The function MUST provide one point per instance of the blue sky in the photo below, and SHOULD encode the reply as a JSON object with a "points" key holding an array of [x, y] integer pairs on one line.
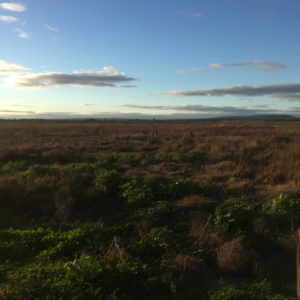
{"points": [[149, 59]]}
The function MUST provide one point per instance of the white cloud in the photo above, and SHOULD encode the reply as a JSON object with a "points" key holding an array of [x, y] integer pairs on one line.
{"points": [[10, 68], [22, 33], [86, 104], [196, 15], [20, 105], [8, 19], [266, 66], [107, 78], [155, 94], [283, 91], [50, 28], [181, 71], [13, 6], [257, 64], [195, 70], [218, 66]]}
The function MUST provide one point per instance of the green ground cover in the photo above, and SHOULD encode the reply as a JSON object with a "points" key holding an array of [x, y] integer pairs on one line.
{"points": [[83, 227]]}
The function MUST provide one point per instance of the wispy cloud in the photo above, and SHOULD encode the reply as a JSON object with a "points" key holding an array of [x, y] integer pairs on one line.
{"points": [[86, 104], [261, 106], [195, 70], [22, 33], [195, 15], [128, 86], [8, 19], [11, 68], [108, 77], [50, 28], [13, 6], [290, 97], [283, 91], [155, 94], [257, 64], [17, 111], [20, 105]]}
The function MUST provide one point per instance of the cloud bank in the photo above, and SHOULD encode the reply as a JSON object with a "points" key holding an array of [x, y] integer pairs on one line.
{"points": [[179, 112], [109, 77], [257, 64], [218, 110], [283, 91], [18, 7]]}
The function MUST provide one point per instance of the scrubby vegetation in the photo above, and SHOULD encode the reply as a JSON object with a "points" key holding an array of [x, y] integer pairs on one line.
{"points": [[105, 210]]}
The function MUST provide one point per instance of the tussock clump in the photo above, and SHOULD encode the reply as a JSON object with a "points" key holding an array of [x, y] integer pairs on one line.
{"points": [[195, 203], [54, 156], [235, 257], [64, 203], [187, 140], [166, 148], [226, 165], [154, 141], [260, 226], [188, 264], [143, 227], [279, 140]]}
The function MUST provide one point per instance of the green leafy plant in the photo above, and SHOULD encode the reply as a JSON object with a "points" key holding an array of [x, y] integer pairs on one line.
{"points": [[283, 211], [108, 180], [142, 191], [13, 166], [236, 213]]}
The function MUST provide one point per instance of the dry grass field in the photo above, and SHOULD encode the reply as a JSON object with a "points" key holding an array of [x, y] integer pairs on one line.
{"points": [[178, 202], [259, 159]]}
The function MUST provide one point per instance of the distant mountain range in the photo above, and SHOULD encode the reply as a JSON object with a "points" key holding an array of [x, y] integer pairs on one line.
{"points": [[148, 118]]}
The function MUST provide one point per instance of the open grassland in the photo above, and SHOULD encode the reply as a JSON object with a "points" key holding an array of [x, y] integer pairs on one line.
{"points": [[149, 210]]}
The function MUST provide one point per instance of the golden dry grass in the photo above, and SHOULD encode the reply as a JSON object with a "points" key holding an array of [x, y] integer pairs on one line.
{"points": [[244, 157]]}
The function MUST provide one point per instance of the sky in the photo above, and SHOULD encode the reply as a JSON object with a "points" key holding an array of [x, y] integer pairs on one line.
{"points": [[163, 59]]}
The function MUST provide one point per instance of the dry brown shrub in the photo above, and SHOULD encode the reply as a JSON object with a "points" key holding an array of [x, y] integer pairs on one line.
{"points": [[235, 257], [143, 227], [225, 165], [188, 264], [54, 156], [187, 140], [279, 140], [114, 252], [236, 187], [288, 242], [166, 148], [195, 203], [260, 226], [199, 222], [64, 204]]}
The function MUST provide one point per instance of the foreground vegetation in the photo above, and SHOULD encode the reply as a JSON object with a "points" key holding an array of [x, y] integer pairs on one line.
{"points": [[110, 211]]}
